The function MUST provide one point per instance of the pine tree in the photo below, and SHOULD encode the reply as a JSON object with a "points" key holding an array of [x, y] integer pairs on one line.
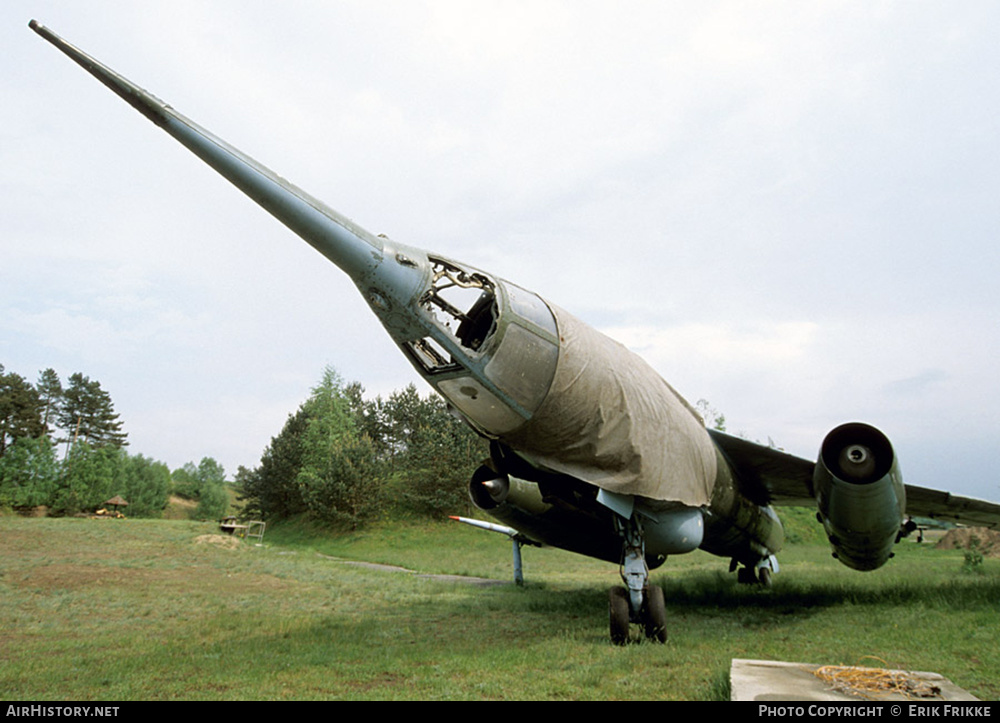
{"points": [[50, 393], [434, 453], [270, 490], [88, 415], [20, 409]]}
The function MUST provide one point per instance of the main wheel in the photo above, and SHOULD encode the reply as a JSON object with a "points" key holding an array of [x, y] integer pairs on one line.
{"points": [[764, 577], [618, 615], [655, 615]]}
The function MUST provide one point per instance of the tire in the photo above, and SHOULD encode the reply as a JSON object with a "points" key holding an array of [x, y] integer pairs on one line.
{"points": [[655, 616], [618, 615], [764, 577]]}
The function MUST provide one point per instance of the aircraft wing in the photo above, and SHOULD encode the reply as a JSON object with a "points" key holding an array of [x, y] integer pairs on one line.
{"points": [[923, 502], [768, 475], [774, 477]]}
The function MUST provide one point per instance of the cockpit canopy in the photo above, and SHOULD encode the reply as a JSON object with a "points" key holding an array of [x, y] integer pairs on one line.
{"points": [[492, 349]]}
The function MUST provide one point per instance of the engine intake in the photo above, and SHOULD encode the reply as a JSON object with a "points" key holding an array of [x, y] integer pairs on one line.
{"points": [[491, 491], [860, 496], [488, 488]]}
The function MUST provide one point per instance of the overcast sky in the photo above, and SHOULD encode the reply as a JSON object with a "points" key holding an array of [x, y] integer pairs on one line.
{"points": [[789, 209]]}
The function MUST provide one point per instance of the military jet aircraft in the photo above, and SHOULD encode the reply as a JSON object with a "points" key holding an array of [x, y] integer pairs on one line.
{"points": [[590, 449]]}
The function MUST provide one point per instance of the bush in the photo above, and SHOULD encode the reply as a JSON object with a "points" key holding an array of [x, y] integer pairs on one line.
{"points": [[974, 558]]}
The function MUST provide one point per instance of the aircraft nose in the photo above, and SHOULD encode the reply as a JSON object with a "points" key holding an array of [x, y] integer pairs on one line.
{"points": [[486, 345]]}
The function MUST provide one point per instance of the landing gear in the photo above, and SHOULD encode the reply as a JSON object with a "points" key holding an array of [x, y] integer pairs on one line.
{"points": [[618, 613], [759, 574], [652, 616], [746, 576], [764, 577], [637, 602], [655, 615]]}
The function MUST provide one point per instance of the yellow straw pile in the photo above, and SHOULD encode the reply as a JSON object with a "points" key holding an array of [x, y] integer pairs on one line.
{"points": [[874, 683]]}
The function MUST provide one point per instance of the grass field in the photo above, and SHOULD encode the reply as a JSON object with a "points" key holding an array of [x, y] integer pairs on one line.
{"points": [[111, 610]]}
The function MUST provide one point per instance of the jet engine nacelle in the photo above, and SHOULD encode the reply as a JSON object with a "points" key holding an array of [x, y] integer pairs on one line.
{"points": [[860, 495], [521, 504], [489, 490]]}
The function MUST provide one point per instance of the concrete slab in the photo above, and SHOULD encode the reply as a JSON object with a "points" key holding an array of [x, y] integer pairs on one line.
{"points": [[768, 680]]}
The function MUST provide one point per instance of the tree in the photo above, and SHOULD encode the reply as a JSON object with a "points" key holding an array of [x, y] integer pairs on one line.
{"points": [[270, 490], [248, 485], [50, 394], [212, 497], [716, 420], [343, 459], [88, 414], [434, 453], [144, 483], [339, 477], [20, 409], [29, 473], [185, 481], [713, 418], [205, 483], [89, 478], [371, 419], [94, 469]]}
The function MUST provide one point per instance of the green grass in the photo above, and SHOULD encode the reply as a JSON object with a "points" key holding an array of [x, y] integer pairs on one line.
{"points": [[136, 609]]}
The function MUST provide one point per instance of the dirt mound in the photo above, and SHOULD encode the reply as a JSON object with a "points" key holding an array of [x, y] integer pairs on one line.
{"points": [[988, 541]]}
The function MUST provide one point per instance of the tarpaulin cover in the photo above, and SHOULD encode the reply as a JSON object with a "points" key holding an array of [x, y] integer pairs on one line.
{"points": [[609, 419]]}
